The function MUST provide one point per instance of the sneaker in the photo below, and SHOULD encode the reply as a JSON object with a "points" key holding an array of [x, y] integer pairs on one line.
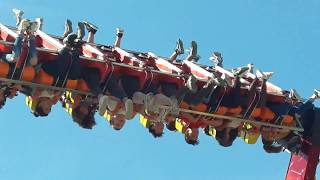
{"points": [[227, 80], [294, 95], [194, 51], [39, 22], [33, 27], [179, 47], [18, 13], [119, 32], [129, 108], [67, 28], [80, 31], [90, 27], [263, 75], [102, 105], [24, 25], [191, 84], [250, 66], [240, 71], [317, 93], [217, 58]]}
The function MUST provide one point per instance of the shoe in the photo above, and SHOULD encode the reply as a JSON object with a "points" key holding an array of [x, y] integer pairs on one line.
{"points": [[179, 47], [67, 28], [24, 25], [129, 108], [80, 31], [294, 95], [191, 84], [90, 27], [194, 51], [119, 32], [33, 27], [103, 105], [263, 75], [250, 66], [217, 58], [240, 71], [18, 13], [317, 93], [227, 80], [39, 22]]}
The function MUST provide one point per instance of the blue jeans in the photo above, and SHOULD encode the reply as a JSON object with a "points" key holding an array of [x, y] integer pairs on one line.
{"points": [[114, 87], [130, 84], [59, 67], [17, 47]]}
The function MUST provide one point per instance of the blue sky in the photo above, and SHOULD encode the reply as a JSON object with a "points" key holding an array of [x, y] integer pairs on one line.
{"points": [[280, 36]]}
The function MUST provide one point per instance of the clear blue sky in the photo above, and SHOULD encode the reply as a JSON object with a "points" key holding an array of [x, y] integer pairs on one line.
{"points": [[280, 36]]}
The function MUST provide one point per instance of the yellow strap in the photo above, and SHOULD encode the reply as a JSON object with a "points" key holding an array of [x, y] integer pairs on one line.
{"points": [[213, 132], [107, 116], [143, 121], [179, 126]]}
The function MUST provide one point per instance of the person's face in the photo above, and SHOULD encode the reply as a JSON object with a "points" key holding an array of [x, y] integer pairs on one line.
{"points": [[84, 110], [170, 119], [158, 128], [216, 122], [118, 121], [268, 134], [192, 134], [46, 105]]}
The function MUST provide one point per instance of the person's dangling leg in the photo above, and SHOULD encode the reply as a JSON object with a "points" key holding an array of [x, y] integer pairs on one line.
{"points": [[201, 94], [130, 84], [18, 13], [193, 54], [92, 29], [119, 35], [177, 51], [33, 58], [67, 28], [17, 46], [114, 87], [80, 30]]}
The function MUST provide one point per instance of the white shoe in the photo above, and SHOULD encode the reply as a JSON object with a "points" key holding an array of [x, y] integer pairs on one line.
{"points": [[34, 26], [294, 95], [227, 80], [102, 105], [24, 25], [191, 84], [317, 93], [18, 13], [39, 22], [263, 75], [250, 66], [119, 32], [129, 108]]}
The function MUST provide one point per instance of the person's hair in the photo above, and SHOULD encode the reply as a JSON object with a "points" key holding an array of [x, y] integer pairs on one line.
{"points": [[171, 126], [206, 130], [111, 123], [191, 141], [3, 102], [6, 93], [87, 121], [153, 132], [226, 143], [38, 111]]}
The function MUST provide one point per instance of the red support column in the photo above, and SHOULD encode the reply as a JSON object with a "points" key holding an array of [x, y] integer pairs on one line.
{"points": [[303, 166]]}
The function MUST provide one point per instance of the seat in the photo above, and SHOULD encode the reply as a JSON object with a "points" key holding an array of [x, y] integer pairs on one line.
{"points": [[4, 69]]}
